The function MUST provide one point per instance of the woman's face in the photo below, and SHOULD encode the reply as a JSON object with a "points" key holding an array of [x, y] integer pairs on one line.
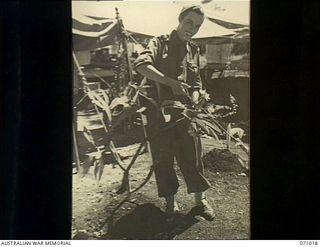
{"points": [[189, 25]]}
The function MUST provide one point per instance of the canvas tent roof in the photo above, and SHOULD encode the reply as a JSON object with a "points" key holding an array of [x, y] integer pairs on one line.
{"points": [[227, 24], [229, 13], [89, 33], [94, 23]]}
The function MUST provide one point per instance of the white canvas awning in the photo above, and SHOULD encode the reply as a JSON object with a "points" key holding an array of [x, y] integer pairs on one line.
{"points": [[147, 18]]}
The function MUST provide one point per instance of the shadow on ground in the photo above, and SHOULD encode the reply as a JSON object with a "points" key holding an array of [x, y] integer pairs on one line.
{"points": [[147, 221]]}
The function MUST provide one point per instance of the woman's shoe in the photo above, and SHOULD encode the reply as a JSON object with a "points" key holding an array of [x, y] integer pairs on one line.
{"points": [[205, 210]]}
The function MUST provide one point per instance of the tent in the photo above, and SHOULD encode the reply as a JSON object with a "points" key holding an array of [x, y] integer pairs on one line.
{"points": [[230, 14], [89, 33], [94, 23], [227, 24]]}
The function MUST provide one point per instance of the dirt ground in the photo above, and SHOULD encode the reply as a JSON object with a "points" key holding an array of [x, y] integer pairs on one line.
{"points": [[144, 218]]}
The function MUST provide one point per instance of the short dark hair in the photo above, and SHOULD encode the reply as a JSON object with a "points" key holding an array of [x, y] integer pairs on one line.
{"points": [[195, 8]]}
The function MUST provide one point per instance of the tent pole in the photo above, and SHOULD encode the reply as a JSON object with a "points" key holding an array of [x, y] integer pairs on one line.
{"points": [[75, 146], [74, 134], [80, 73], [125, 45]]}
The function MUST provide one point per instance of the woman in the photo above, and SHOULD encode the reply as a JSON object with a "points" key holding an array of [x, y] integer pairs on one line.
{"points": [[170, 64]]}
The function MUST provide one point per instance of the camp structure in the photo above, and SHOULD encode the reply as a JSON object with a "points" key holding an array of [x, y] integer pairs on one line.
{"points": [[95, 26], [224, 34]]}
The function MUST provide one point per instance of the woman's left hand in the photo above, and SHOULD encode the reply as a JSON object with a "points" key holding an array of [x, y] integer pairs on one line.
{"points": [[195, 97]]}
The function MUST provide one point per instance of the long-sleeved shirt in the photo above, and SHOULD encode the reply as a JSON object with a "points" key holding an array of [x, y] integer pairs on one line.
{"points": [[174, 58]]}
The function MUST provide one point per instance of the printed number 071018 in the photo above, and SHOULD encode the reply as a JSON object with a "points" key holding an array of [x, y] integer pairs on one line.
{"points": [[304, 242]]}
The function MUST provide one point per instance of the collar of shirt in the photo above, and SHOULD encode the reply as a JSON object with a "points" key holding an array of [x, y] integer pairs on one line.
{"points": [[174, 37]]}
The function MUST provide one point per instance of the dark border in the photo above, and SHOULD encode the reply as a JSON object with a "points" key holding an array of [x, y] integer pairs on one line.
{"points": [[284, 82], [38, 106]]}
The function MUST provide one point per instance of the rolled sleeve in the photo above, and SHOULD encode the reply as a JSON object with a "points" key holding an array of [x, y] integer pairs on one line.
{"points": [[149, 55]]}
